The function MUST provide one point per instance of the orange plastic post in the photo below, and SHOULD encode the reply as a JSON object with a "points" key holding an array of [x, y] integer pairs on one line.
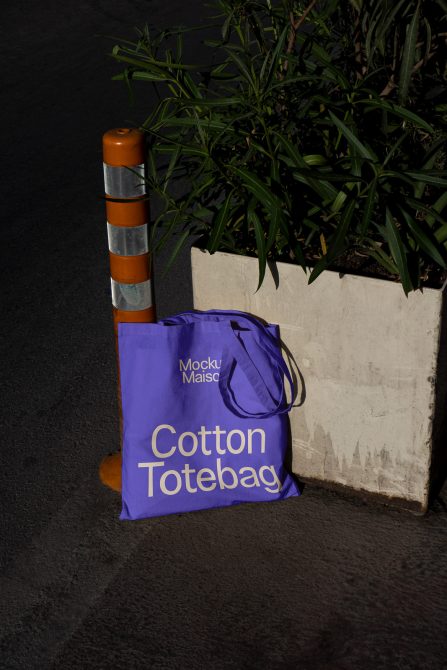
{"points": [[130, 269]]}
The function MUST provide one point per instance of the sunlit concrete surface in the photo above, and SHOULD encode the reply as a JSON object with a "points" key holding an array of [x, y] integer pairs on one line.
{"points": [[369, 369]]}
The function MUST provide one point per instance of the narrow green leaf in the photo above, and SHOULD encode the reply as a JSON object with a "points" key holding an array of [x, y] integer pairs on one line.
{"points": [[352, 140], [220, 224], [175, 252], [242, 67], [275, 214], [398, 252], [418, 205], [428, 39], [275, 57], [383, 259], [339, 201], [330, 73], [217, 102], [220, 73], [168, 224], [253, 219], [386, 19], [339, 242], [161, 68], [274, 170], [320, 186], [190, 122], [314, 159], [258, 30], [171, 167], [323, 57], [439, 205], [257, 187], [150, 76], [399, 111], [275, 219], [441, 234], [435, 151], [193, 150], [427, 177], [408, 57], [325, 175], [425, 240], [161, 112], [394, 174], [395, 147], [318, 269], [151, 166], [369, 51], [189, 83], [175, 66], [299, 255], [227, 27], [368, 209], [202, 214]]}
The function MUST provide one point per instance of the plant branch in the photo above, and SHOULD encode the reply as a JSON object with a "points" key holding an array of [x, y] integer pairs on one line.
{"points": [[390, 86], [294, 27]]}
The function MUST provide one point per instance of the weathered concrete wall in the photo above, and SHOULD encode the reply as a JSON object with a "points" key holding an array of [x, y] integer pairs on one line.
{"points": [[367, 356]]}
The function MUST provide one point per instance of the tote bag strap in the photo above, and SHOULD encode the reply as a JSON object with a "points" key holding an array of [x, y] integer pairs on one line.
{"points": [[236, 354]]}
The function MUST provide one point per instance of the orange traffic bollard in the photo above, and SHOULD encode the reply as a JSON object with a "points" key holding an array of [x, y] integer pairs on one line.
{"points": [[127, 228]]}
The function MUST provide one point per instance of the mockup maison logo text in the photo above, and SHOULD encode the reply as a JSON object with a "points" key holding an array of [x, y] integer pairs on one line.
{"points": [[197, 372]]}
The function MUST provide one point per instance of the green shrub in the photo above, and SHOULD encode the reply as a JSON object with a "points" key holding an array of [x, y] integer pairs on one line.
{"points": [[315, 135]]}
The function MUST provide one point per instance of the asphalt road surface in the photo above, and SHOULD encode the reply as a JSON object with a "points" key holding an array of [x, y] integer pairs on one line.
{"points": [[318, 582]]}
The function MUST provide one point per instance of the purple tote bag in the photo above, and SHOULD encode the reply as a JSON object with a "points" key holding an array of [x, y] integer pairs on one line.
{"points": [[204, 414]]}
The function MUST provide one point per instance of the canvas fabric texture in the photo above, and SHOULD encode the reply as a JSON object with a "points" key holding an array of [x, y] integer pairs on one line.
{"points": [[204, 414]]}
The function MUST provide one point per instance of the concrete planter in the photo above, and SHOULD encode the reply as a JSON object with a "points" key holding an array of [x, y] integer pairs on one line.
{"points": [[373, 372]]}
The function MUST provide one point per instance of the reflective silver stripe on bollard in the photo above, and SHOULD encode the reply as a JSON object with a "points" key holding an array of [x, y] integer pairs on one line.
{"points": [[124, 182], [127, 241], [131, 297]]}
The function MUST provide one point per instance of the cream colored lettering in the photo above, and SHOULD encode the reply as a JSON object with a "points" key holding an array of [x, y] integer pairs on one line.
{"points": [[206, 475], [199, 377], [178, 485], [203, 433], [272, 484], [220, 476], [195, 443], [218, 432], [206, 479], [241, 447], [250, 480], [187, 471], [188, 380], [200, 371], [211, 441], [150, 475], [157, 453], [251, 432]]}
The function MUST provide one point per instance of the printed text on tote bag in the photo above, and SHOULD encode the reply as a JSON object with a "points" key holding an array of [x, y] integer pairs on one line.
{"points": [[212, 442], [196, 372]]}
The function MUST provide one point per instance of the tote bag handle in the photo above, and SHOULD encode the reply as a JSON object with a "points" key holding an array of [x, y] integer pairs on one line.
{"points": [[236, 354]]}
